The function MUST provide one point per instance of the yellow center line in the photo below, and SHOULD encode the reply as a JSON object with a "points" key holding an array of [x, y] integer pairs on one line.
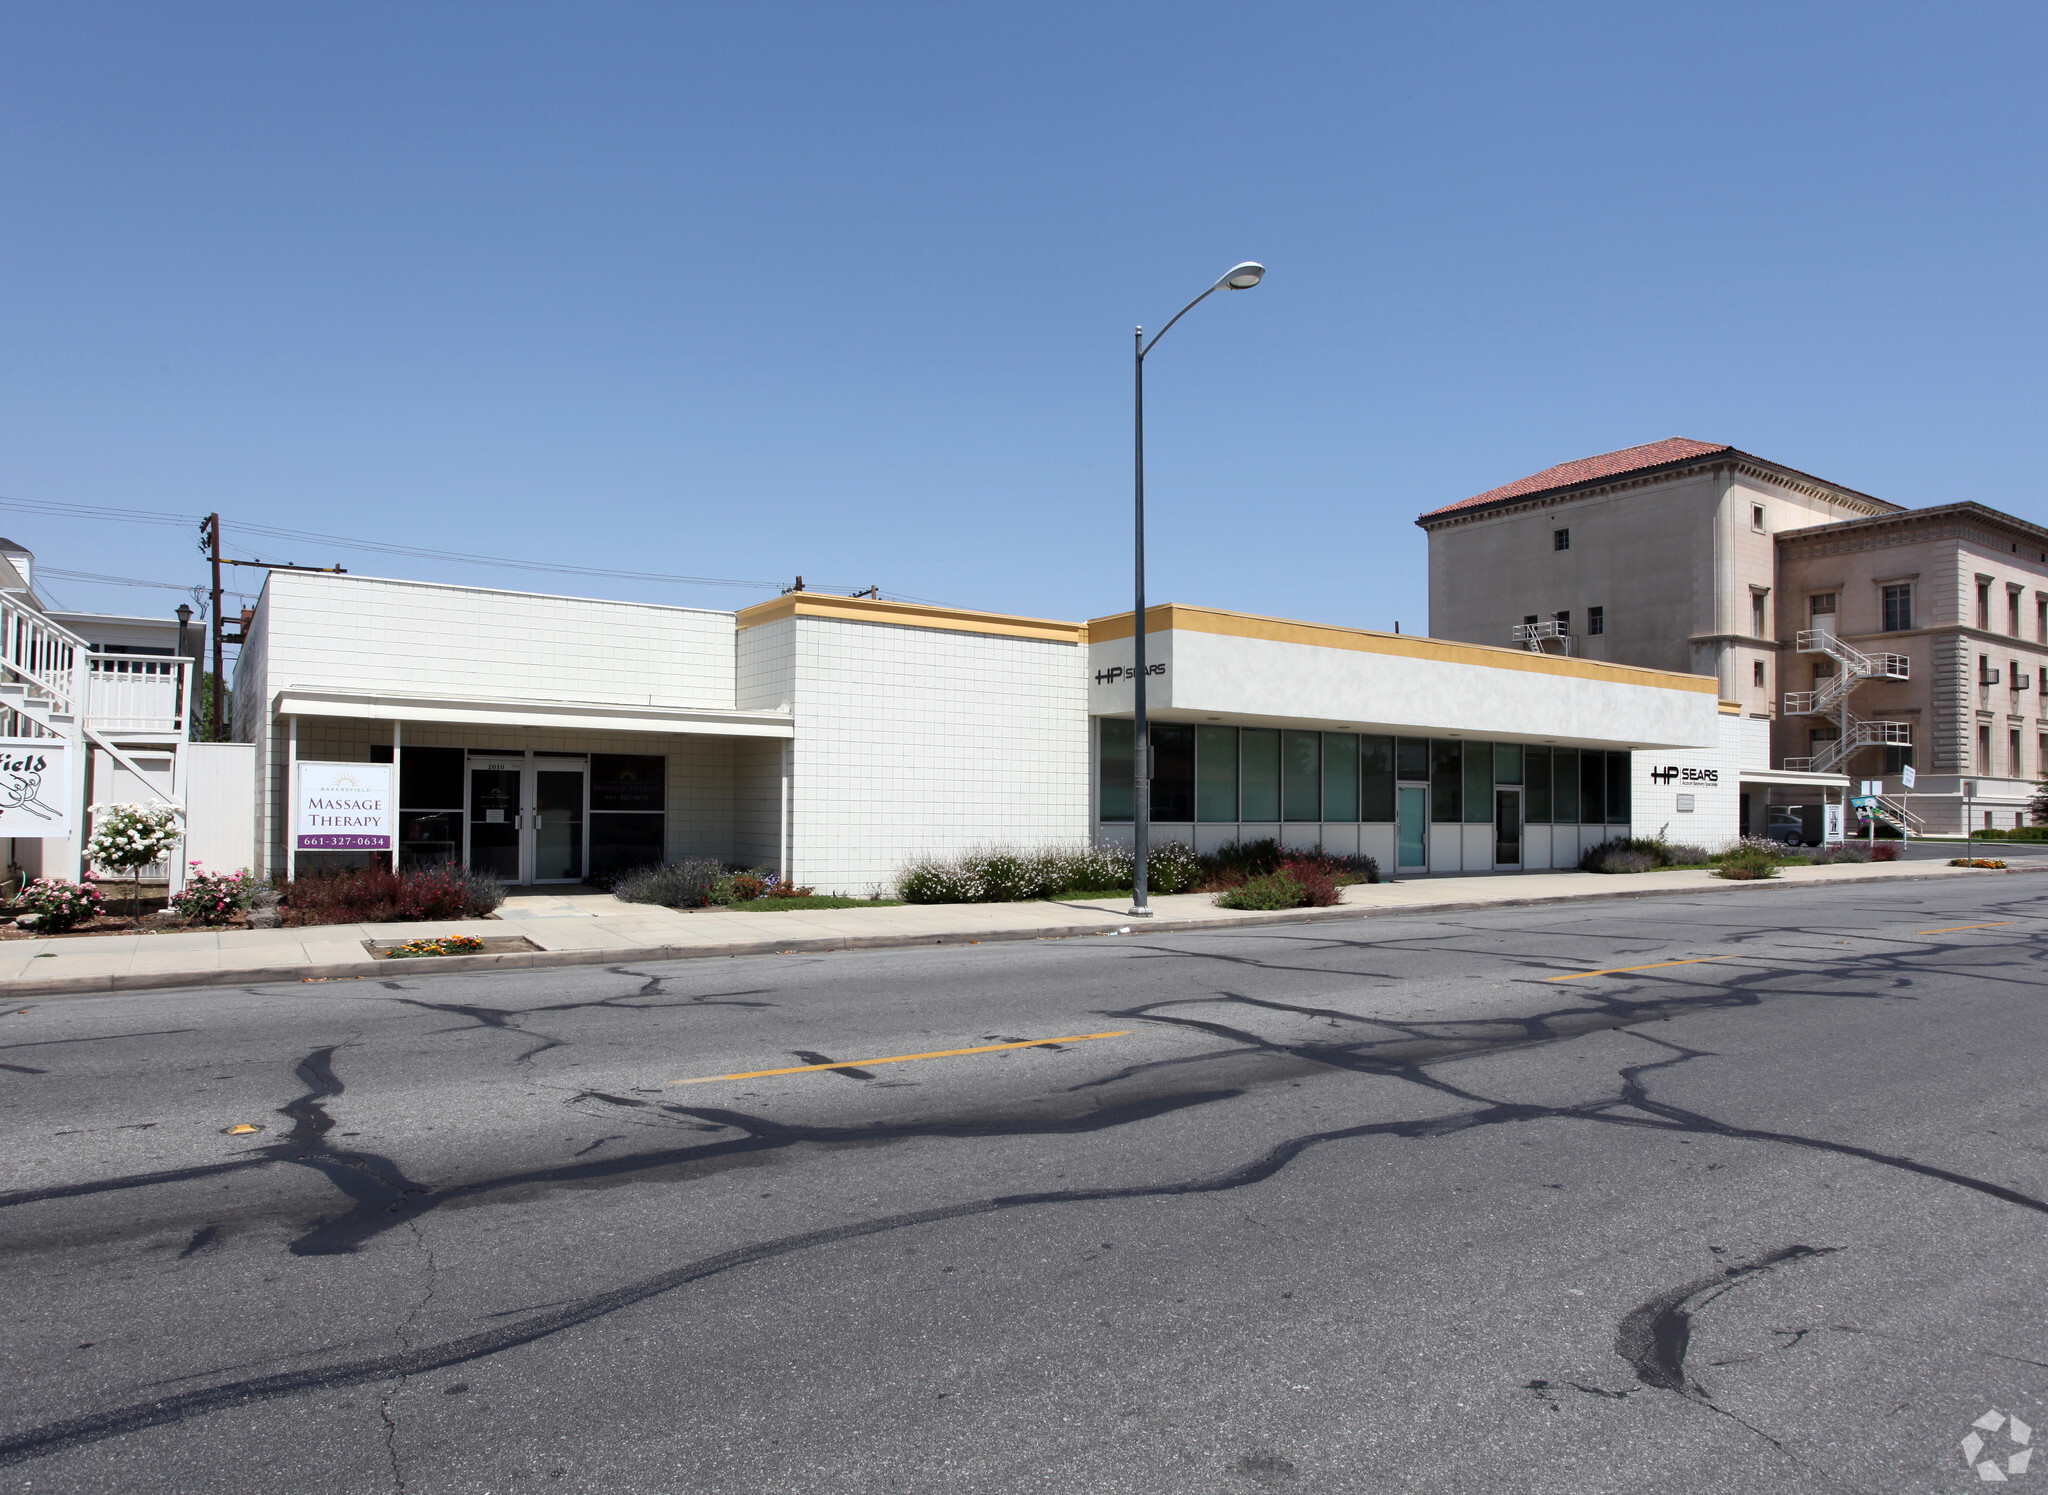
{"points": [[987, 1048], [1655, 965], [1951, 929]]}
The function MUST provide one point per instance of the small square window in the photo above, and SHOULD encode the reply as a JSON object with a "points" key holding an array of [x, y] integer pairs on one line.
{"points": [[1560, 539], [1757, 672], [1596, 620], [1564, 622]]}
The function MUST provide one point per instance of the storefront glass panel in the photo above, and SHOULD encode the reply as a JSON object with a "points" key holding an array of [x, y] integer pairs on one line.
{"points": [[1536, 771], [1447, 802], [1302, 774], [1259, 773], [1115, 785], [1617, 788], [558, 823], [1173, 772], [1412, 759], [1216, 773], [1592, 788], [1340, 776], [1376, 778], [1564, 779], [628, 804], [494, 814], [1478, 782], [1507, 763], [1413, 841]]}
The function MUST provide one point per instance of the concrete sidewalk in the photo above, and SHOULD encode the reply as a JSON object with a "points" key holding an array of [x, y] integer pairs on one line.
{"points": [[583, 927]]}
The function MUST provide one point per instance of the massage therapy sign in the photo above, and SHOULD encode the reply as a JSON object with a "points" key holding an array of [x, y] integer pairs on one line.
{"points": [[344, 807]]}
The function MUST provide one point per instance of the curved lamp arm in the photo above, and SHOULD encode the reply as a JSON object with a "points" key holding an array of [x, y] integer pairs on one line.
{"points": [[1241, 277]]}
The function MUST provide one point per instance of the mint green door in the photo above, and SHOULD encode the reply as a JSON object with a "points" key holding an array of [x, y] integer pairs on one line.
{"points": [[1413, 855]]}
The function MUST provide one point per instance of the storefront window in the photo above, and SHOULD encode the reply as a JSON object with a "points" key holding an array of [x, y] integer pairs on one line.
{"points": [[429, 804], [1478, 782], [1376, 778], [1536, 776], [1258, 751], [1446, 802], [1216, 773], [1617, 788], [1592, 788], [1302, 772], [1564, 780], [1173, 772], [1340, 776], [1412, 759], [1507, 763], [1114, 781], [628, 804]]}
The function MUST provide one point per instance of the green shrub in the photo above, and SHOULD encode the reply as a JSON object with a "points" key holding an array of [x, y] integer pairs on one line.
{"points": [[1748, 863], [1265, 893], [1009, 874]]}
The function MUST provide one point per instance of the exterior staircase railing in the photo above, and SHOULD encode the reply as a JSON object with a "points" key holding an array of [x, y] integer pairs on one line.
{"points": [[43, 668], [1535, 636], [1852, 668], [1858, 734]]}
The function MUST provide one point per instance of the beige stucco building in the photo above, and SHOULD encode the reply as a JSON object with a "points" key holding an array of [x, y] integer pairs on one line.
{"points": [[1871, 636]]}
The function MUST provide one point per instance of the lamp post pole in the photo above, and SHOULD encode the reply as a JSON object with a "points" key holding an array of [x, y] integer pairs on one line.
{"points": [[1241, 277]]}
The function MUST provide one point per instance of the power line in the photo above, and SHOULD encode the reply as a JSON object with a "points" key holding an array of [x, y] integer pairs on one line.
{"points": [[112, 581], [417, 552]]}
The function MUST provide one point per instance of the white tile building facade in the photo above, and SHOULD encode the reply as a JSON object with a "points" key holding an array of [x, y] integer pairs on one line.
{"points": [[833, 739]]}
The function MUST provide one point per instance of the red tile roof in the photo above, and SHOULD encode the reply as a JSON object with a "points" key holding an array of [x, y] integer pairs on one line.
{"points": [[1665, 453]]}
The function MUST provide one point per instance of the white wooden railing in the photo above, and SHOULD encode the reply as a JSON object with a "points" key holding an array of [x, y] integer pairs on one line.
{"points": [[138, 693]]}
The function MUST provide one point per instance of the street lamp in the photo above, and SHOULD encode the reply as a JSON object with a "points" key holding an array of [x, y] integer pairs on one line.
{"points": [[1240, 277]]}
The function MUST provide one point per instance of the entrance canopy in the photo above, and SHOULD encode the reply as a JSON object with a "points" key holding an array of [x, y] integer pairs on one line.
{"points": [[489, 711]]}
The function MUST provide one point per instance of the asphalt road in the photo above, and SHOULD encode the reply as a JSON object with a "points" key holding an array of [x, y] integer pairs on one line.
{"points": [[1376, 1205]]}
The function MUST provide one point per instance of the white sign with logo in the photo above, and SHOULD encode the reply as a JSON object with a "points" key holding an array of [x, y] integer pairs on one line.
{"points": [[345, 807], [35, 787], [1907, 775], [1831, 824]]}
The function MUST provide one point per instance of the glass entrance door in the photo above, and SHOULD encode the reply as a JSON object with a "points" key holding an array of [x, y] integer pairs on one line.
{"points": [[495, 813], [1507, 827], [558, 823], [1413, 855]]}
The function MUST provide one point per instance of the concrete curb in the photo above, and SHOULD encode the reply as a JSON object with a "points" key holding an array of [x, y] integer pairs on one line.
{"points": [[81, 986]]}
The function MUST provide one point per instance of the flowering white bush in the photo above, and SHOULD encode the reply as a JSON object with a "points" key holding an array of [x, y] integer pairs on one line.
{"points": [[126, 838]]}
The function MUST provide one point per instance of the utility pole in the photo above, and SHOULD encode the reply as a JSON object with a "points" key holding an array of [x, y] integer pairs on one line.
{"points": [[213, 540]]}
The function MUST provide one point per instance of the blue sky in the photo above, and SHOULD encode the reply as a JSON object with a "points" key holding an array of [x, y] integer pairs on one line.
{"points": [[751, 291]]}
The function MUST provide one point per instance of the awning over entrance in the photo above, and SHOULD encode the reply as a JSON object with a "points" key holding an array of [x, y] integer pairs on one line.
{"points": [[586, 716], [1785, 778]]}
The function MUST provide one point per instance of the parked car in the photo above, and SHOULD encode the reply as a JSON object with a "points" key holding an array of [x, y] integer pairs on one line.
{"points": [[1795, 825]]}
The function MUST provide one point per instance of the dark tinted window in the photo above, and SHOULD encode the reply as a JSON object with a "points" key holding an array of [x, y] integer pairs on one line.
{"points": [[1446, 764], [627, 781], [1375, 778], [1413, 753], [1536, 776], [1173, 772]]}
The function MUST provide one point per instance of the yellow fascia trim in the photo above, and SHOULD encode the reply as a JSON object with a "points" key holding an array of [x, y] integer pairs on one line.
{"points": [[1731, 708], [1401, 645], [909, 615]]}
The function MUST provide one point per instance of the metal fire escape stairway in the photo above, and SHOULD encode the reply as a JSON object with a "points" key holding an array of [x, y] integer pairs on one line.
{"points": [[1831, 698]]}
